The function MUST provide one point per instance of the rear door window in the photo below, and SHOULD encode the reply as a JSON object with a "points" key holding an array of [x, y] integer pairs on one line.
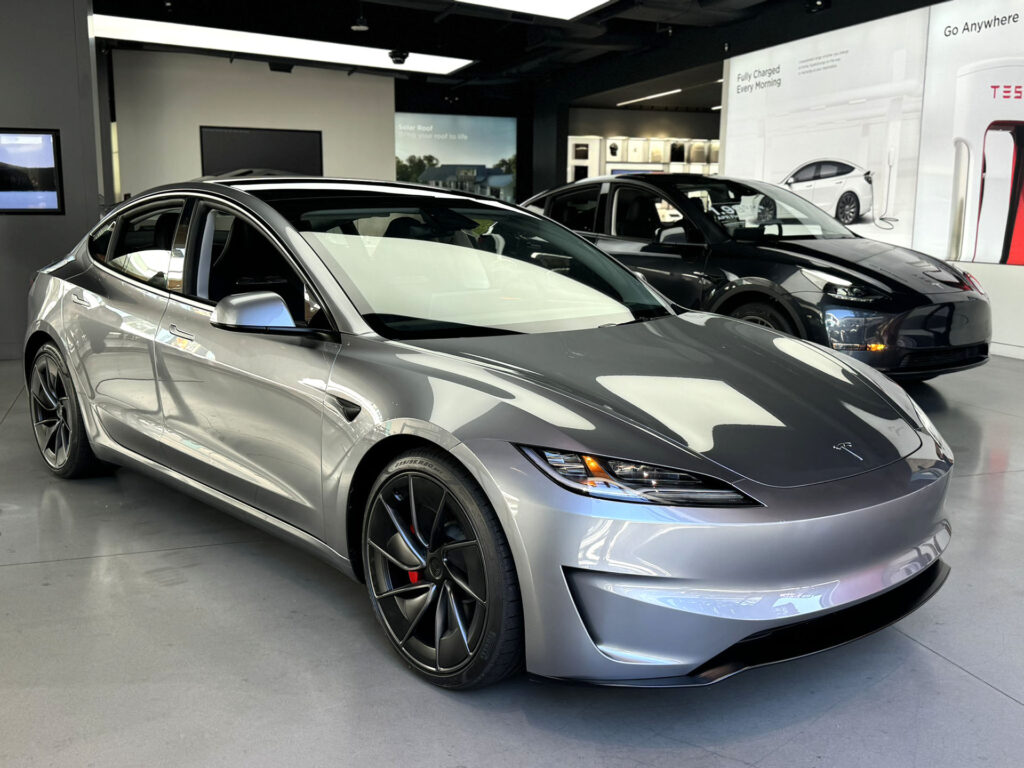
{"points": [[144, 247]]}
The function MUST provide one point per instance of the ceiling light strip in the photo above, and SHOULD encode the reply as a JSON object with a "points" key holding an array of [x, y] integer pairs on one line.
{"points": [[648, 98], [276, 46], [557, 9]]}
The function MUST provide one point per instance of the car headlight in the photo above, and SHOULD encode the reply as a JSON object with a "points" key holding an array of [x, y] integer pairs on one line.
{"points": [[634, 481], [841, 288]]}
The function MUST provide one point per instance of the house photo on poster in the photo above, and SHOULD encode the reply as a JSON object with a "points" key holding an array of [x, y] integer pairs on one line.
{"points": [[463, 152], [970, 203], [836, 119]]}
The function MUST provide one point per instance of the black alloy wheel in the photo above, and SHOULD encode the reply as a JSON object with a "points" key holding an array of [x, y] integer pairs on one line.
{"points": [[764, 315], [56, 418], [439, 573], [848, 208]]}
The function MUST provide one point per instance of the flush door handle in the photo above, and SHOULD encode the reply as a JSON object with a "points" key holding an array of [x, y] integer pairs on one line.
{"points": [[181, 333]]}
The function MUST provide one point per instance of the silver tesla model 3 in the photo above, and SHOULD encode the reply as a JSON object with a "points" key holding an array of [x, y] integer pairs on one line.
{"points": [[525, 452]]}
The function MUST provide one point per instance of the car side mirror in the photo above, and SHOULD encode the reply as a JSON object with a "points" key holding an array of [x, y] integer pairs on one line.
{"points": [[673, 236], [789, 182], [257, 312]]}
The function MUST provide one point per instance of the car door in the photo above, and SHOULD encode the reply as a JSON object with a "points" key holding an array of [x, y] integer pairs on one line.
{"points": [[828, 187], [111, 315], [635, 216], [243, 411], [803, 181]]}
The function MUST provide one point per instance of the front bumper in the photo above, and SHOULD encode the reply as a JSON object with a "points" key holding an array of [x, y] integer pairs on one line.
{"points": [[633, 594], [927, 340]]}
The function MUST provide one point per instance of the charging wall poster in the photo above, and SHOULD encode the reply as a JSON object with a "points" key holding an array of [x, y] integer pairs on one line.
{"points": [[836, 118], [970, 203], [462, 152]]}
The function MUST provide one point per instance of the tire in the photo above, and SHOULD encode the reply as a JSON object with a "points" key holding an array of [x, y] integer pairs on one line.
{"points": [[57, 418], [760, 313], [848, 208], [440, 574]]}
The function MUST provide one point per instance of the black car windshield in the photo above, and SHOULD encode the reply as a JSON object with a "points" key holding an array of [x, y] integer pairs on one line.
{"points": [[431, 265], [749, 210]]}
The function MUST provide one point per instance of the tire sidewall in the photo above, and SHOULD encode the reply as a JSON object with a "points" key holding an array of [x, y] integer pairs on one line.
{"points": [[778, 321], [74, 413], [839, 205], [477, 510]]}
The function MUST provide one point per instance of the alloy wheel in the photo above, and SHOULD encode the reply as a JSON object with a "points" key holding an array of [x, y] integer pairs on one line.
{"points": [[849, 208], [426, 572], [50, 407]]}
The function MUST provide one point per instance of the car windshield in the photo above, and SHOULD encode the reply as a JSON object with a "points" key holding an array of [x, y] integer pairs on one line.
{"points": [[754, 211], [426, 265]]}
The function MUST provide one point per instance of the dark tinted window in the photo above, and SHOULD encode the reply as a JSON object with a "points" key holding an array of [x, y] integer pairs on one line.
{"points": [[640, 213], [577, 209], [842, 169], [236, 257], [806, 173], [828, 170], [145, 242]]}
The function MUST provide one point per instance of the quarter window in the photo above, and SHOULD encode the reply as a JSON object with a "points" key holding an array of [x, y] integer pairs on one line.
{"points": [[145, 245], [577, 210]]}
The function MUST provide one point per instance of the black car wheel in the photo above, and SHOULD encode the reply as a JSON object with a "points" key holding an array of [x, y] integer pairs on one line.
{"points": [[57, 419], [848, 208], [765, 315], [440, 574]]}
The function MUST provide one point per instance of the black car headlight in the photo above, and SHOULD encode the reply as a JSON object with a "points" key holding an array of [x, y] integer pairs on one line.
{"points": [[634, 481], [842, 289]]}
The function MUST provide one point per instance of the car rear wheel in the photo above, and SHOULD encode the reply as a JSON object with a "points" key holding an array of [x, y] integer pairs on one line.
{"points": [[848, 208], [439, 573], [57, 418], [764, 315]]}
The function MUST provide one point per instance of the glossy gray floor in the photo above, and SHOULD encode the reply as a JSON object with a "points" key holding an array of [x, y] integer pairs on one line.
{"points": [[138, 627]]}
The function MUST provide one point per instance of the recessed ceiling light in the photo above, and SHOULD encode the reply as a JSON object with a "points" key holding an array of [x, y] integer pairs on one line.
{"points": [[210, 38], [716, 108], [555, 9], [361, 25], [648, 98]]}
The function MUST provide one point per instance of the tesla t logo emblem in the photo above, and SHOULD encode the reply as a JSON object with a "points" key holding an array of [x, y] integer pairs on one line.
{"points": [[848, 447]]}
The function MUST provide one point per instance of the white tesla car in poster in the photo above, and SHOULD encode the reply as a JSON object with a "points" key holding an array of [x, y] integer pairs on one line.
{"points": [[836, 186]]}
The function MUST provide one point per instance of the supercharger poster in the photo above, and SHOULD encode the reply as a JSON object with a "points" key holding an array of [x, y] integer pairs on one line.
{"points": [[970, 203], [835, 118]]}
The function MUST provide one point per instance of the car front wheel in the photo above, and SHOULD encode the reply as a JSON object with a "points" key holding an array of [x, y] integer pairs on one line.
{"points": [[765, 315], [848, 208], [439, 573]]}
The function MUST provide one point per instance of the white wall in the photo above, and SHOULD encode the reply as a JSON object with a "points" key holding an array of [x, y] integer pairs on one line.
{"points": [[161, 99], [1005, 285]]}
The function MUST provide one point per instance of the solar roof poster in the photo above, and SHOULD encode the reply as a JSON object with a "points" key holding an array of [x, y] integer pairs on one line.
{"points": [[460, 152]]}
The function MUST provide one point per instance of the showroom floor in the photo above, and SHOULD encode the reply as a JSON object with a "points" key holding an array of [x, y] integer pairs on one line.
{"points": [[142, 628]]}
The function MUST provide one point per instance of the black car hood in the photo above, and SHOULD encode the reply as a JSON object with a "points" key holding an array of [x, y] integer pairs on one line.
{"points": [[768, 407], [889, 263]]}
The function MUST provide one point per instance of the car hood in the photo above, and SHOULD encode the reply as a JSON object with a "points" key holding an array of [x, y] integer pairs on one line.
{"points": [[889, 263], [771, 408]]}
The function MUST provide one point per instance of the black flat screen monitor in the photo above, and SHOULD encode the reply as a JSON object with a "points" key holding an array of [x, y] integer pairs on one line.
{"points": [[30, 179], [231, 149]]}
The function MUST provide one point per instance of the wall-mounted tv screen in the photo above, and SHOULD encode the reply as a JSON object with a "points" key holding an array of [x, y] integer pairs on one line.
{"points": [[264, 149], [30, 179]]}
